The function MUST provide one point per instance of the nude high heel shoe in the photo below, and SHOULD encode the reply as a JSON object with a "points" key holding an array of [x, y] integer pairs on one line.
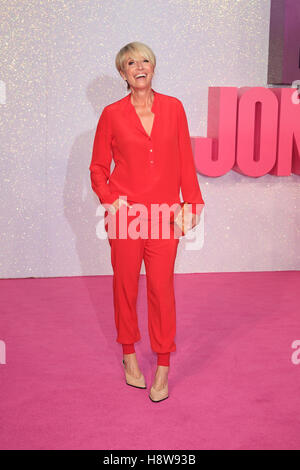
{"points": [[133, 381], [159, 395]]}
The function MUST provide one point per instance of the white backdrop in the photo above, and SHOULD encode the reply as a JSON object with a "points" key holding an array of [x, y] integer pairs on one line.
{"points": [[58, 68]]}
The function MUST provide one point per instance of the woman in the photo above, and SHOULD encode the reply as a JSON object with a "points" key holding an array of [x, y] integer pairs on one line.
{"points": [[147, 134]]}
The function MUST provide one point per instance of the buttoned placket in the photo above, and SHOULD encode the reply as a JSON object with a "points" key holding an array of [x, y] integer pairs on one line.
{"points": [[151, 151], [154, 109]]}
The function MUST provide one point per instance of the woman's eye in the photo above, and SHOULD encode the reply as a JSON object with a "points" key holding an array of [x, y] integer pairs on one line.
{"points": [[132, 61]]}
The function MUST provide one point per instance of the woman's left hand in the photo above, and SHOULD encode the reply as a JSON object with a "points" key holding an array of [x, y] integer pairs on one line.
{"points": [[186, 220]]}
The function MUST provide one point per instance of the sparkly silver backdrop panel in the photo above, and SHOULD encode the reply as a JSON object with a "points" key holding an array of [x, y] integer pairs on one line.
{"points": [[58, 66]]}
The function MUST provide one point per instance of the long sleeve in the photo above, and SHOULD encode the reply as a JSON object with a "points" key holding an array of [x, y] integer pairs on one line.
{"points": [[190, 188], [101, 160]]}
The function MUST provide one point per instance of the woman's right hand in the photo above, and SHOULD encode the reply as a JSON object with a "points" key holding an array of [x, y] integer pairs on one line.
{"points": [[115, 206]]}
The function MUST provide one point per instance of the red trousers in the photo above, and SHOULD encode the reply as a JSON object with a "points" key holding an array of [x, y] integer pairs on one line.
{"points": [[159, 257]]}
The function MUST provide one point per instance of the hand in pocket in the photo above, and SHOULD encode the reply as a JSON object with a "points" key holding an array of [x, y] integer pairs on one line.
{"points": [[115, 206]]}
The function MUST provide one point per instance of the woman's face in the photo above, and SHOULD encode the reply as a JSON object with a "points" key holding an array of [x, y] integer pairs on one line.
{"points": [[135, 66]]}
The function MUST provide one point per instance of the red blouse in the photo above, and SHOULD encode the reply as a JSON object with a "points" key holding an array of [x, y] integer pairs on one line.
{"points": [[148, 169]]}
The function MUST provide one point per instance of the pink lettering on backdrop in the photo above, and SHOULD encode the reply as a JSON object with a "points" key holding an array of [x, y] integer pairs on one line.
{"points": [[288, 153], [251, 130]]}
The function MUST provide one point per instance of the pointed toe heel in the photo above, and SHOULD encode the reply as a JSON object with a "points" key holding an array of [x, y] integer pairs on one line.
{"points": [[133, 381], [158, 395]]}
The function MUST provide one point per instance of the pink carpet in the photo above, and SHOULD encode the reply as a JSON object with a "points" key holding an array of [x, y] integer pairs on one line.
{"points": [[232, 383]]}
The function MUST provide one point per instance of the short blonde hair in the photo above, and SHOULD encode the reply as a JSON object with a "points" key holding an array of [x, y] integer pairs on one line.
{"points": [[134, 48]]}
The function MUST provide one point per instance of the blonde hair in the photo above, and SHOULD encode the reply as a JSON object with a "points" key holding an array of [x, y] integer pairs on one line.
{"points": [[134, 48]]}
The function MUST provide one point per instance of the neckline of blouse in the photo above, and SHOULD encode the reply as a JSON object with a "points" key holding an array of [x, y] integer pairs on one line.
{"points": [[153, 102]]}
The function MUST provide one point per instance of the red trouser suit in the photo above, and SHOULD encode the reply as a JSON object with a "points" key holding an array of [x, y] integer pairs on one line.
{"points": [[159, 257], [148, 168]]}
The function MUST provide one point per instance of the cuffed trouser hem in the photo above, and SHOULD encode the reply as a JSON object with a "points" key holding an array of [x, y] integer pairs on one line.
{"points": [[163, 359], [128, 348]]}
